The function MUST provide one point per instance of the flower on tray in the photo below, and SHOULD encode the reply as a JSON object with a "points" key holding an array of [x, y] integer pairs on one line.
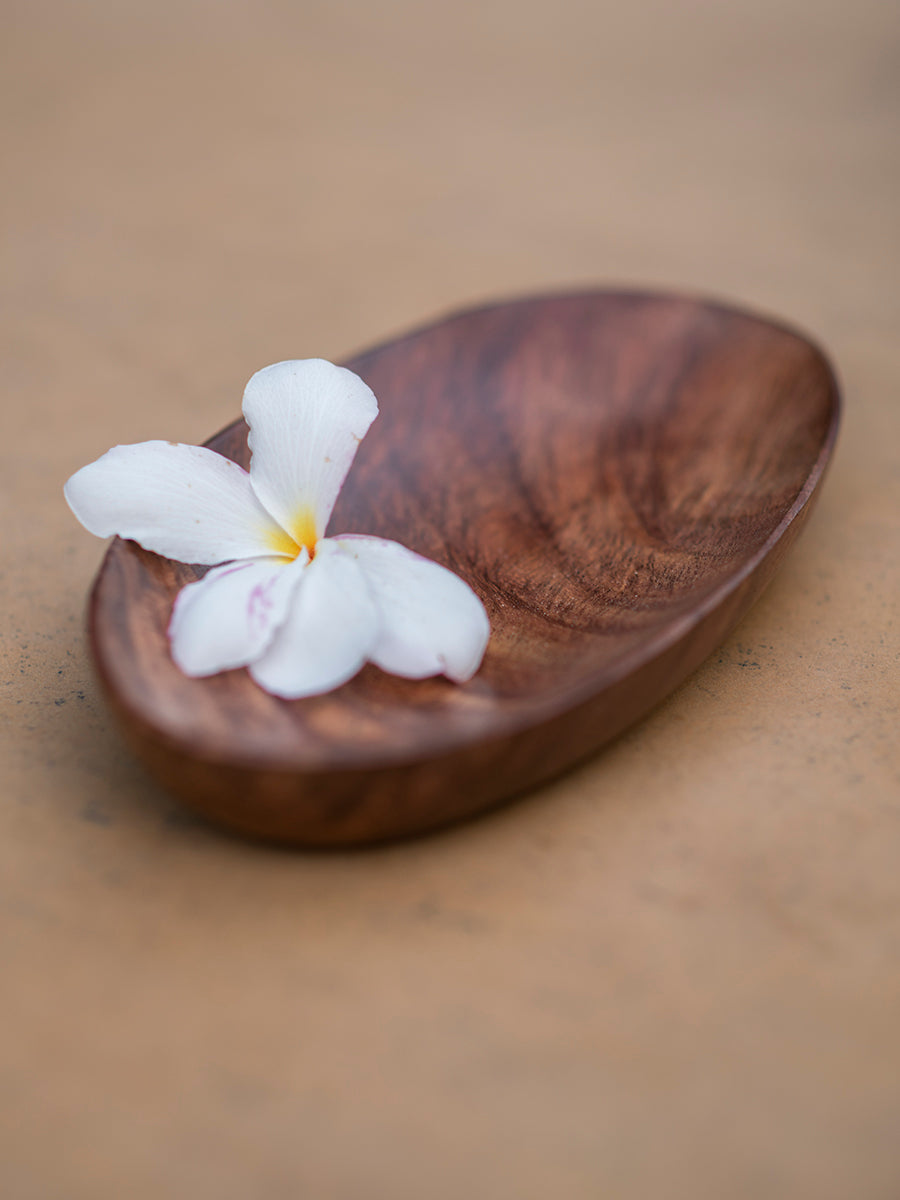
{"points": [[303, 612]]}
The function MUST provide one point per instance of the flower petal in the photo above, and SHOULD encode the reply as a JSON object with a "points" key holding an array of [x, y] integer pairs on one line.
{"points": [[329, 632], [184, 502], [432, 622], [307, 418], [228, 618]]}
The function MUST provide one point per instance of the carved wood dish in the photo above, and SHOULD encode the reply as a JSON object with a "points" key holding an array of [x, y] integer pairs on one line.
{"points": [[617, 475]]}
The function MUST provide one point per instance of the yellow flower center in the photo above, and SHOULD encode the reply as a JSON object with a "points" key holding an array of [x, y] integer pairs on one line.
{"points": [[303, 530], [303, 533]]}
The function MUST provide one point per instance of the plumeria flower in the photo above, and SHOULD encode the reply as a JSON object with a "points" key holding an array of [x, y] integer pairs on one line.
{"points": [[303, 612]]}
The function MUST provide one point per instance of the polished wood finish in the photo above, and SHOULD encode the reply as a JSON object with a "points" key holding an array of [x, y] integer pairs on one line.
{"points": [[616, 474]]}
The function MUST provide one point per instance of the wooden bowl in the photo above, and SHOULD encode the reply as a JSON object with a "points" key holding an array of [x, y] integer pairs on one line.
{"points": [[617, 475]]}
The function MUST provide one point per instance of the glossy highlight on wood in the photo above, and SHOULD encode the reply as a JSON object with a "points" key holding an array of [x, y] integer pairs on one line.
{"points": [[616, 474]]}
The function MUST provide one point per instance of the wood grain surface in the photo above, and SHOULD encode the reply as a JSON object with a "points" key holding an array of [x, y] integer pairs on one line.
{"points": [[673, 971], [616, 475]]}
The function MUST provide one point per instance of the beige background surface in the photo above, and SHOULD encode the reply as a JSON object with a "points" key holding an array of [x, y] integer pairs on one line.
{"points": [[675, 973]]}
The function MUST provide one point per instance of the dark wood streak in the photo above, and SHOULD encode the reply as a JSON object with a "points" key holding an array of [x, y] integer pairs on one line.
{"points": [[616, 474]]}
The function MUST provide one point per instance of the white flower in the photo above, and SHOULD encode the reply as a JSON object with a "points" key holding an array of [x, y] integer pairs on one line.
{"points": [[301, 611]]}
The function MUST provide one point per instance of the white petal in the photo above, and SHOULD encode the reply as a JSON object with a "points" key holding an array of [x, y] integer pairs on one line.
{"points": [[432, 622], [184, 502], [306, 418], [228, 618], [329, 632]]}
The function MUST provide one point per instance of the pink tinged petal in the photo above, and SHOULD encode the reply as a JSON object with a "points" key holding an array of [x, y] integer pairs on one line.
{"points": [[329, 632], [228, 618], [184, 502], [306, 418], [432, 623]]}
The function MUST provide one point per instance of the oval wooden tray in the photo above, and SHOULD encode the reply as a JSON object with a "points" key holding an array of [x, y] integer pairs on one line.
{"points": [[617, 475]]}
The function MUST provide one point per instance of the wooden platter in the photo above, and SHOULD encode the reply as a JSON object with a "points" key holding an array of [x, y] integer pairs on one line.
{"points": [[616, 474]]}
